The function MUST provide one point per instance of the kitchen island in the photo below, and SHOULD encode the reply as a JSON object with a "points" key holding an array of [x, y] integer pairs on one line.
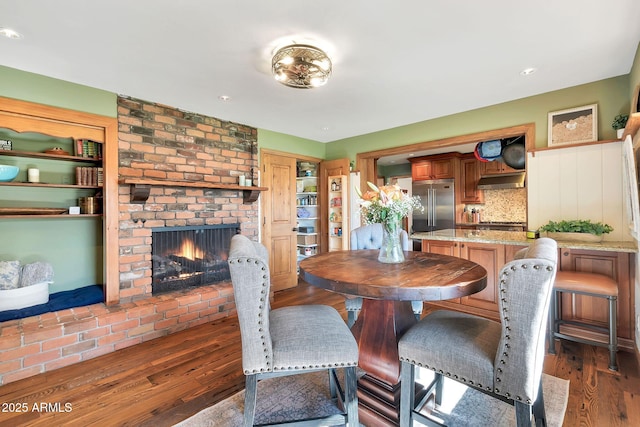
{"points": [[492, 249]]}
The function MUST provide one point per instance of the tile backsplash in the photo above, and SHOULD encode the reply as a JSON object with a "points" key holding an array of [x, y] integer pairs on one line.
{"points": [[503, 205]]}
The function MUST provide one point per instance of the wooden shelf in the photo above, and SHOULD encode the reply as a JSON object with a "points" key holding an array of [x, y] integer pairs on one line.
{"points": [[140, 188], [60, 216], [45, 184], [557, 147], [35, 155]]}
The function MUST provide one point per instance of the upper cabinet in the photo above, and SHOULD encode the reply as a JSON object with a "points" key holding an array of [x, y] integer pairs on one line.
{"points": [[496, 167], [470, 170], [439, 166]]}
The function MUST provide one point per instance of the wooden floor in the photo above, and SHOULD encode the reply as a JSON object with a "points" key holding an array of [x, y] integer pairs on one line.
{"points": [[168, 379]]}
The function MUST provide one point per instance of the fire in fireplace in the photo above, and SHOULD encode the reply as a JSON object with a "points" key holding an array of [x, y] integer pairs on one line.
{"points": [[190, 256]]}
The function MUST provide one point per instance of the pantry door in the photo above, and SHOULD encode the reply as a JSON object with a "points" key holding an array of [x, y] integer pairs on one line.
{"points": [[279, 218]]}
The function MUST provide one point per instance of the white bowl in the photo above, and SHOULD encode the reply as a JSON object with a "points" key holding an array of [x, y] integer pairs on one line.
{"points": [[8, 172]]}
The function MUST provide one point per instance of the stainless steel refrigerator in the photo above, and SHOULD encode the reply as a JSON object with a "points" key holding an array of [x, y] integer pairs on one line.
{"points": [[437, 198]]}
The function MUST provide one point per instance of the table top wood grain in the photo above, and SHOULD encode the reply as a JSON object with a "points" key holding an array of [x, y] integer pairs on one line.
{"points": [[422, 276]]}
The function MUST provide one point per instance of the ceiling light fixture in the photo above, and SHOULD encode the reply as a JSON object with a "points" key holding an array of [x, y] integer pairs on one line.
{"points": [[10, 34], [301, 66]]}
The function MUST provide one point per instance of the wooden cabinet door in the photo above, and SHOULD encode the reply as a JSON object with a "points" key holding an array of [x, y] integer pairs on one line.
{"points": [[469, 176], [595, 310], [442, 247], [421, 171], [497, 167], [442, 169], [491, 257]]}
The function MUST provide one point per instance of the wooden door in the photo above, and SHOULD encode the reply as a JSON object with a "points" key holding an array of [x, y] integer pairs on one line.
{"points": [[329, 168], [420, 171], [491, 257], [279, 219]]}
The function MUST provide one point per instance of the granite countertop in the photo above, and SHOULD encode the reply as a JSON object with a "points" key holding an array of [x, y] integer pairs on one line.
{"points": [[519, 238]]}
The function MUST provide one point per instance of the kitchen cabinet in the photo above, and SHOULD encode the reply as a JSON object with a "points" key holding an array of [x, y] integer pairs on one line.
{"points": [[617, 265], [440, 166], [490, 256], [468, 191], [493, 256], [496, 167]]}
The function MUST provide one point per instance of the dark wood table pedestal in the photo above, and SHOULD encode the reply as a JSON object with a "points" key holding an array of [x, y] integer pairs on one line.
{"points": [[379, 326]]}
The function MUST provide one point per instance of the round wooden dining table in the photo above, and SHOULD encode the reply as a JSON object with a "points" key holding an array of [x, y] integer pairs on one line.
{"points": [[387, 291]]}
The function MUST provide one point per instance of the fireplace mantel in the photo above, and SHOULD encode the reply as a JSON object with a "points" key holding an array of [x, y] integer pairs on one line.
{"points": [[141, 187]]}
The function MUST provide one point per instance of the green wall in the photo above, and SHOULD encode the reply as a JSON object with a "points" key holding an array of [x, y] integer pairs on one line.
{"points": [[291, 144], [32, 87], [611, 95]]}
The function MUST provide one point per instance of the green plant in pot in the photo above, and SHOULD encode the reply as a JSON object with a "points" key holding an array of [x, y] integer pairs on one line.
{"points": [[619, 122], [581, 230]]}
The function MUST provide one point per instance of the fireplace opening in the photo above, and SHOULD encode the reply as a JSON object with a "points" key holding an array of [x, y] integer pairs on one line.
{"points": [[190, 256]]}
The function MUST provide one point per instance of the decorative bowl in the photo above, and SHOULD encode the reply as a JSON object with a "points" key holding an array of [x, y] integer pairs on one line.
{"points": [[8, 172]]}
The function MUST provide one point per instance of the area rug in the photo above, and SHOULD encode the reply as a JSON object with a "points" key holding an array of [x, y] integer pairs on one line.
{"points": [[302, 396]]}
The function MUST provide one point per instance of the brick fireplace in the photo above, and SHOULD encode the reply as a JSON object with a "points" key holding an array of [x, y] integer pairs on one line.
{"points": [[161, 143]]}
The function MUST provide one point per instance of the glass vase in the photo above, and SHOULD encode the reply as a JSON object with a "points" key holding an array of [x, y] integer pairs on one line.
{"points": [[391, 250]]}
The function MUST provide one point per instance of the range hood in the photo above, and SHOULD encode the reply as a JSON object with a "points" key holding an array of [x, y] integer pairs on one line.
{"points": [[502, 181]]}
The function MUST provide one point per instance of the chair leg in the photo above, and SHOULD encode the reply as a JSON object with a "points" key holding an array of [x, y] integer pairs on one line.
{"points": [[553, 318], [439, 378], [351, 401], [523, 414], [352, 316], [613, 333], [539, 413], [250, 395], [332, 384], [407, 393]]}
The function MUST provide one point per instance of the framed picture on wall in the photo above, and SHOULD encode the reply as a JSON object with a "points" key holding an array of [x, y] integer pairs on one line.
{"points": [[573, 126]]}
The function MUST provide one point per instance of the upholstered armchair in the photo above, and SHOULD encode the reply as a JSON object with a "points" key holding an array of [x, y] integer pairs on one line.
{"points": [[370, 237], [288, 340], [502, 359]]}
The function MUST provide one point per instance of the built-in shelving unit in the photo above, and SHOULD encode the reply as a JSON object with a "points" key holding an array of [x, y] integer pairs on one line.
{"points": [[307, 210], [338, 211]]}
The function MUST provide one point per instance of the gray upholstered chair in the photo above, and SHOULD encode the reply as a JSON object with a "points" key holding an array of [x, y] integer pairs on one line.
{"points": [[370, 237], [502, 359], [288, 340]]}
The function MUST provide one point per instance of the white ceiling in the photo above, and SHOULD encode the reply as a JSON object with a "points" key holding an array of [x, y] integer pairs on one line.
{"points": [[395, 63]]}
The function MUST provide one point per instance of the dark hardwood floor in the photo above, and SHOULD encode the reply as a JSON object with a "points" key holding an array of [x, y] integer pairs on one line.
{"points": [[166, 380]]}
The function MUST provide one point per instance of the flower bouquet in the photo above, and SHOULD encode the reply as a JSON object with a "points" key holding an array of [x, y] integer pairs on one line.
{"points": [[388, 205]]}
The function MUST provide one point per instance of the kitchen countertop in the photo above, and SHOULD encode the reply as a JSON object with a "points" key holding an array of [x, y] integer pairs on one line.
{"points": [[519, 238]]}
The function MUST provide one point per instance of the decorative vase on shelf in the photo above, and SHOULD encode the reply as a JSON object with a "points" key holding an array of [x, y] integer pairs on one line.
{"points": [[391, 249]]}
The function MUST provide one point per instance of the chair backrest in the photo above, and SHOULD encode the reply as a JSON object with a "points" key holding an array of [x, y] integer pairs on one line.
{"points": [[249, 268], [370, 237], [525, 286]]}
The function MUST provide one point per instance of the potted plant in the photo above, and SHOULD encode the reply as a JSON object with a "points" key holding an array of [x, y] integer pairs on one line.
{"points": [[582, 230], [619, 122]]}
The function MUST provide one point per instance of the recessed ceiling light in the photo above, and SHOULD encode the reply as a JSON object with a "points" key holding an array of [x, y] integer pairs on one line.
{"points": [[224, 98], [10, 34], [528, 71]]}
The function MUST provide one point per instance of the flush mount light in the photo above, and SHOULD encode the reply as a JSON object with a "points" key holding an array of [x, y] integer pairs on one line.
{"points": [[10, 34], [301, 66], [528, 71], [224, 98]]}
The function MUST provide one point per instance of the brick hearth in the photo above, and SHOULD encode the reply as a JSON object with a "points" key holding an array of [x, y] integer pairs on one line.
{"points": [[157, 142]]}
